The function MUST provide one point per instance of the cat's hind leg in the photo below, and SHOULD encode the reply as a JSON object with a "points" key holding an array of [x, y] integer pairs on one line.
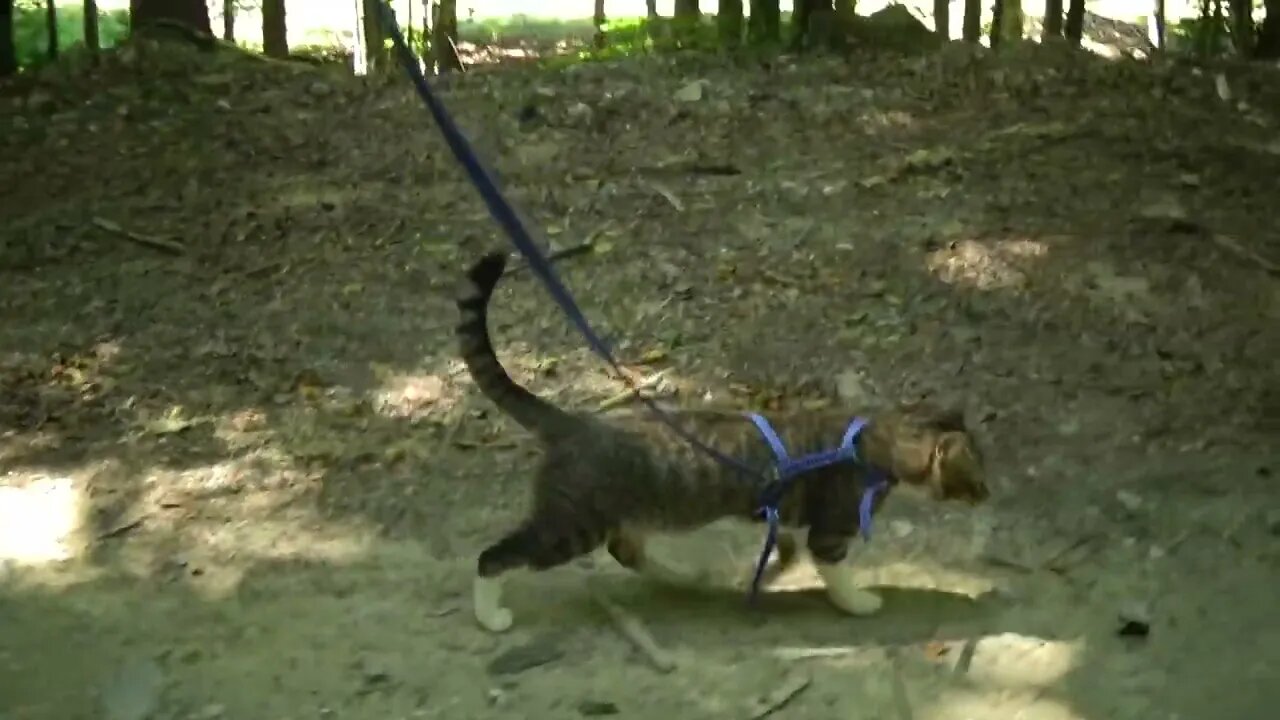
{"points": [[628, 545], [544, 541]]}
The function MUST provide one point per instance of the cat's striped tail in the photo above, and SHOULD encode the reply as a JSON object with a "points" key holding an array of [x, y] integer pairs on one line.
{"points": [[532, 412]]}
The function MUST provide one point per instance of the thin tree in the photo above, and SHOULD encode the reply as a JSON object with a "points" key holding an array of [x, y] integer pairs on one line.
{"points": [[764, 27], [729, 18], [1074, 29], [426, 33], [1242, 26], [372, 56], [1268, 46], [972, 30], [942, 18], [51, 29], [598, 19], [1155, 25], [275, 31], [91, 40], [1006, 22], [229, 20], [8, 53], [1052, 20], [445, 37]]}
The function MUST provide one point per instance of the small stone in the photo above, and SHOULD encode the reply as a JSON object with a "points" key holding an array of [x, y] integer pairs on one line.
{"points": [[1129, 500], [1273, 521], [319, 89], [692, 92], [900, 528], [596, 708], [538, 651], [212, 711], [1135, 620]]}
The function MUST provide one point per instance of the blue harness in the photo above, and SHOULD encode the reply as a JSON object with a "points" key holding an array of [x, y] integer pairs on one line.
{"points": [[786, 469], [505, 214]]}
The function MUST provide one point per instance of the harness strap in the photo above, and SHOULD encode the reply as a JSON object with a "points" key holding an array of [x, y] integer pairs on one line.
{"points": [[786, 469]]}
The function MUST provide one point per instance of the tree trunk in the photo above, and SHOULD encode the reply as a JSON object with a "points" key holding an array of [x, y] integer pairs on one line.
{"points": [[1052, 20], [1074, 29], [1006, 23], [729, 17], [374, 55], [8, 53], [51, 29], [275, 31], [812, 23], [1155, 25], [765, 25], [972, 20], [426, 33], [191, 14], [229, 20], [598, 19], [1268, 46], [445, 37], [1242, 26], [91, 40], [942, 18]]}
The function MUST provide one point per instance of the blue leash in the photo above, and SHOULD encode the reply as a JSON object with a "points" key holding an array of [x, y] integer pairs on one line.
{"points": [[509, 220]]}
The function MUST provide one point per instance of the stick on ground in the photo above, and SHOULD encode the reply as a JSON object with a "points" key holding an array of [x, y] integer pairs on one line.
{"points": [[635, 632]]}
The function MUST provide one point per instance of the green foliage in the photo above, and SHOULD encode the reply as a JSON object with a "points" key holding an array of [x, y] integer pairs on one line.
{"points": [[31, 40]]}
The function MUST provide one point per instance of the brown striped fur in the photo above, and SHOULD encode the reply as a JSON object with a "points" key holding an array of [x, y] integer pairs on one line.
{"points": [[612, 481]]}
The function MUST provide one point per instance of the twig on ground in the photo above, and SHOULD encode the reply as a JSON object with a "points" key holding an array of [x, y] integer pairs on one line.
{"points": [[1235, 247], [811, 653], [966, 657], [630, 393], [901, 702], [582, 248], [155, 243], [631, 628], [792, 685]]}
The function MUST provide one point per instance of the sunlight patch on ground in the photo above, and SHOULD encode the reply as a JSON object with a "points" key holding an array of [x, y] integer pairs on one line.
{"points": [[996, 705], [39, 520], [985, 265], [1010, 660]]}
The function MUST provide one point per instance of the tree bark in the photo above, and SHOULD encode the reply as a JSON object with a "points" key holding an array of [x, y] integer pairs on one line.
{"points": [[1006, 24], [8, 53], [375, 57], [445, 37], [972, 21], [1268, 46], [1052, 20], [51, 29], [426, 33], [729, 17], [92, 42], [192, 14], [275, 30], [1074, 29], [1242, 26], [1155, 25], [229, 20], [598, 19], [765, 24], [942, 18], [811, 23]]}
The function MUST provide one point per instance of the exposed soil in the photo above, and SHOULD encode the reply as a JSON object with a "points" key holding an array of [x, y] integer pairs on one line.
{"points": [[242, 475]]}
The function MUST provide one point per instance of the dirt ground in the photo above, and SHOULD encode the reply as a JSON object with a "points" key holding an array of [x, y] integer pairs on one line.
{"points": [[242, 475]]}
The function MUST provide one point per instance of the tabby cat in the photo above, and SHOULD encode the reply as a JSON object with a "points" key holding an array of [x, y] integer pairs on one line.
{"points": [[612, 482]]}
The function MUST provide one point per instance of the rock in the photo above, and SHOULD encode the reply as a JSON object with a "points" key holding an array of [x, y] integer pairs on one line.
{"points": [[596, 708], [1131, 501], [1135, 620], [851, 388], [691, 92], [133, 692]]}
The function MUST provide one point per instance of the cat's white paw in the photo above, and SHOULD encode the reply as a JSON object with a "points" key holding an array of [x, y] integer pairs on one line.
{"points": [[844, 593], [486, 603]]}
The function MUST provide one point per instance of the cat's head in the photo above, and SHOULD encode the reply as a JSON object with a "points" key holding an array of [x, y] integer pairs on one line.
{"points": [[930, 448]]}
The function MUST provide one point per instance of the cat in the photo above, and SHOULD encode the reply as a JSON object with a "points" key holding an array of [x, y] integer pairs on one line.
{"points": [[612, 482]]}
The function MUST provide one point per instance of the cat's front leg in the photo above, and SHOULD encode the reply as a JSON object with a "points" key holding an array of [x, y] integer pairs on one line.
{"points": [[829, 551]]}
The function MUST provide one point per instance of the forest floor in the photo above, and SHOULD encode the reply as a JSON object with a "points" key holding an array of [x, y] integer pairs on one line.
{"points": [[242, 475]]}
